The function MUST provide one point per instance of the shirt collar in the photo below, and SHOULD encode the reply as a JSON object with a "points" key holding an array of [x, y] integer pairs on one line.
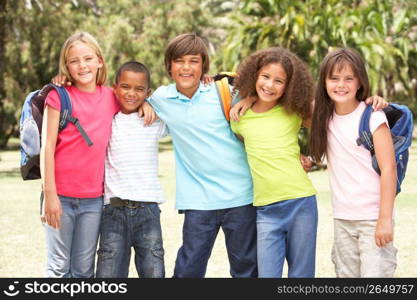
{"points": [[173, 93]]}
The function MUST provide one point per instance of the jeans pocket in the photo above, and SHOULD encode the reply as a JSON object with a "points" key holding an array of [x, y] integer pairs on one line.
{"points": [[108, 212], [153, 210]]}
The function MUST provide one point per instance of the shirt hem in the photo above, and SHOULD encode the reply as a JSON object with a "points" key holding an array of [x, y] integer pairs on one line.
{"points": [[81, 195], [224, 206], [275, 200], [350, 218]]}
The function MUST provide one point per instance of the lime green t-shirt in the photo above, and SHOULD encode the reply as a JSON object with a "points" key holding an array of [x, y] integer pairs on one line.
{"points": [[271, 143]]}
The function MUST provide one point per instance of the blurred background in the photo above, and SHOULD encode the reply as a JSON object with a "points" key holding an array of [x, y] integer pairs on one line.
{"points": [[33, 31]]}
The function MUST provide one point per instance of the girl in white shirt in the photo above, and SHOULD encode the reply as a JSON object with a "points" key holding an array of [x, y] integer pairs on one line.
{"points": [[362, 200]]}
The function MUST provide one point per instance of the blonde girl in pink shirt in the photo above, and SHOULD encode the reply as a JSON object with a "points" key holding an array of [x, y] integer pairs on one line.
{"points": [[73, 172], [362, 200]]}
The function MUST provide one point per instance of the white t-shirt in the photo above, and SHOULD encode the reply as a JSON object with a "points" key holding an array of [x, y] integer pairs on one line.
{"points": [[131, 166], [355, 186]]}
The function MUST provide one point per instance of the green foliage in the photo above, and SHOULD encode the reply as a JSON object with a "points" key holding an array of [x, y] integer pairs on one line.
{"points": [[384, 31], [126, 30], [32, 32]]}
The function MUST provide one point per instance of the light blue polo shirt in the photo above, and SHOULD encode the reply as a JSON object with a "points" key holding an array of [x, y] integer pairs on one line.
{"points": [[212, 171]]}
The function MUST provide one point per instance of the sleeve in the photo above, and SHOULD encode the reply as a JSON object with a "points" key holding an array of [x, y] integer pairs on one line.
{"points": [[152, 100], [116, 105], [163, 130], [236, 97], [235, 127], [377, 118], [52, 100]]}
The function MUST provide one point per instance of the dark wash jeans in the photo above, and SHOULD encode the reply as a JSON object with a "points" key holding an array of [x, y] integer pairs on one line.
{"points": [[125, 227], [200, 230]]}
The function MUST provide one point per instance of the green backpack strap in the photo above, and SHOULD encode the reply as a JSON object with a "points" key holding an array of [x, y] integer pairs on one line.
{"points": [[225, 97]]}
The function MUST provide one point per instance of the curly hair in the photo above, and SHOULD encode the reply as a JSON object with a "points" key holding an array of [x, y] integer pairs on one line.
{"points": [[299, 90]]}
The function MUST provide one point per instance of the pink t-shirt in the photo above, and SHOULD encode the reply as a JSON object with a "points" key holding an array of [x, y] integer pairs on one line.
{"points": [[355, 186], [79, 169]]}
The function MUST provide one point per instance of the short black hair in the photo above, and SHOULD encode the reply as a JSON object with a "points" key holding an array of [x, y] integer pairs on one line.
{"points": [[136, 67]]}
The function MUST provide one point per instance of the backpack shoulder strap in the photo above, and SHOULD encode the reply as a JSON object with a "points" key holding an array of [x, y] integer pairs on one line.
{"points": [[66, 106], [225, 96], [66, 114], [223, 82], [365, 135]]}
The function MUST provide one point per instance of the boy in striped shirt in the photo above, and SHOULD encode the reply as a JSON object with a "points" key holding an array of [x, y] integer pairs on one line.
{"points": [[132, 193]]}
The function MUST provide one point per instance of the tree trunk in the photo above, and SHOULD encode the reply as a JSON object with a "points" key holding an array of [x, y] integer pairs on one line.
{"points": [[3, 25]]}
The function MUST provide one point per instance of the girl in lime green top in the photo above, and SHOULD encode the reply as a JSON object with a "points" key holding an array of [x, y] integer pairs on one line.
{"points": [[283, 194]]}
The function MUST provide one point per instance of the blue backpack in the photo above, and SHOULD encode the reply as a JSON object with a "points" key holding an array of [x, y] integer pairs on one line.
{"points": [[400, 121], [31, 128]]}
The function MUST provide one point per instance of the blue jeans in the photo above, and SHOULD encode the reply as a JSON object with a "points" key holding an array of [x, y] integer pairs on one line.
{"points": [[125, 227], [71, 248], [287, 230], [199, 234]]}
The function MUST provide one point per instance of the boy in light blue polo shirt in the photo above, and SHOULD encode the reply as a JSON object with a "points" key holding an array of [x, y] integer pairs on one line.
{"points": [[213, 181]]}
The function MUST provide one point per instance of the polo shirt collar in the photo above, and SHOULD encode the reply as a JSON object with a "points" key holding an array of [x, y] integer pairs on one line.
{"points": [[173, 93]]}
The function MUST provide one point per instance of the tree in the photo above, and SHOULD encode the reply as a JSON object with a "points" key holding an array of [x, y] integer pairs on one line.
{"points": [[384, 31], [33, 31], [31, 36]]}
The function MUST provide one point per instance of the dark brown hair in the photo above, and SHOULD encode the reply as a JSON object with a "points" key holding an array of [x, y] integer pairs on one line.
{"points": [[324, 106], [186, 44], [299, 89]]}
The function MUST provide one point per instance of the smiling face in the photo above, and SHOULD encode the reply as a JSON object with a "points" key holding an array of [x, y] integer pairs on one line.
{"points": [[186, 72], [271, 83], [131, 90], [83, 64], [342, 85]]}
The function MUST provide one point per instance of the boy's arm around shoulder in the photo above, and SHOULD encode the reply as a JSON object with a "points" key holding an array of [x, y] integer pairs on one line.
{"points": [[148, 113]]}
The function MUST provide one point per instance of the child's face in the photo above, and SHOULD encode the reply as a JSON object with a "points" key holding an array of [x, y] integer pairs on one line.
{"points": [[131, 90], [83, 65], [271, 82], [186, 72], [342, 85]]}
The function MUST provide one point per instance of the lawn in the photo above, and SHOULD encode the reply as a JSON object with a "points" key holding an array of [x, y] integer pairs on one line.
{"points": [[22, 241]]}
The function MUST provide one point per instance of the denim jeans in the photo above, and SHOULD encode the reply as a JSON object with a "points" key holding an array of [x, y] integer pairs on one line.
{"points": [[71, 248], [125, 227], [287, 230], [199, 234]]}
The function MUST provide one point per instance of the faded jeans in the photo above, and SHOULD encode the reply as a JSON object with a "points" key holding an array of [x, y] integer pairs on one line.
{"points": [[71, 248], [287, 230], [125, 227]]}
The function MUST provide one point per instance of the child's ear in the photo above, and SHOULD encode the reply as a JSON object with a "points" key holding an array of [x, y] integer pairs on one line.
{"points": [[114, 86], [100, 62], [149, 92]]}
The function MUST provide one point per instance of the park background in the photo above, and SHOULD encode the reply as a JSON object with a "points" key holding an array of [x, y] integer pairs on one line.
{"points": [[33, 31]]}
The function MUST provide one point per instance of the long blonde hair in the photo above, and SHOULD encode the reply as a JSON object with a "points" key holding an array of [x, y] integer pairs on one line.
{"points": [[90, 41]]}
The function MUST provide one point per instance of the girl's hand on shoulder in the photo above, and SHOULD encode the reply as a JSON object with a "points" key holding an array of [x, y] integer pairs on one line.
{"points": [[377, 102], [306, 162], [146, 111], [383, 232], [240, 108], [207, 79], [60, 80], [51, 211]]}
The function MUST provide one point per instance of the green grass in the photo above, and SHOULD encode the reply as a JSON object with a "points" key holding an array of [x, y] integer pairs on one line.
{"points": [[22, 242]]}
